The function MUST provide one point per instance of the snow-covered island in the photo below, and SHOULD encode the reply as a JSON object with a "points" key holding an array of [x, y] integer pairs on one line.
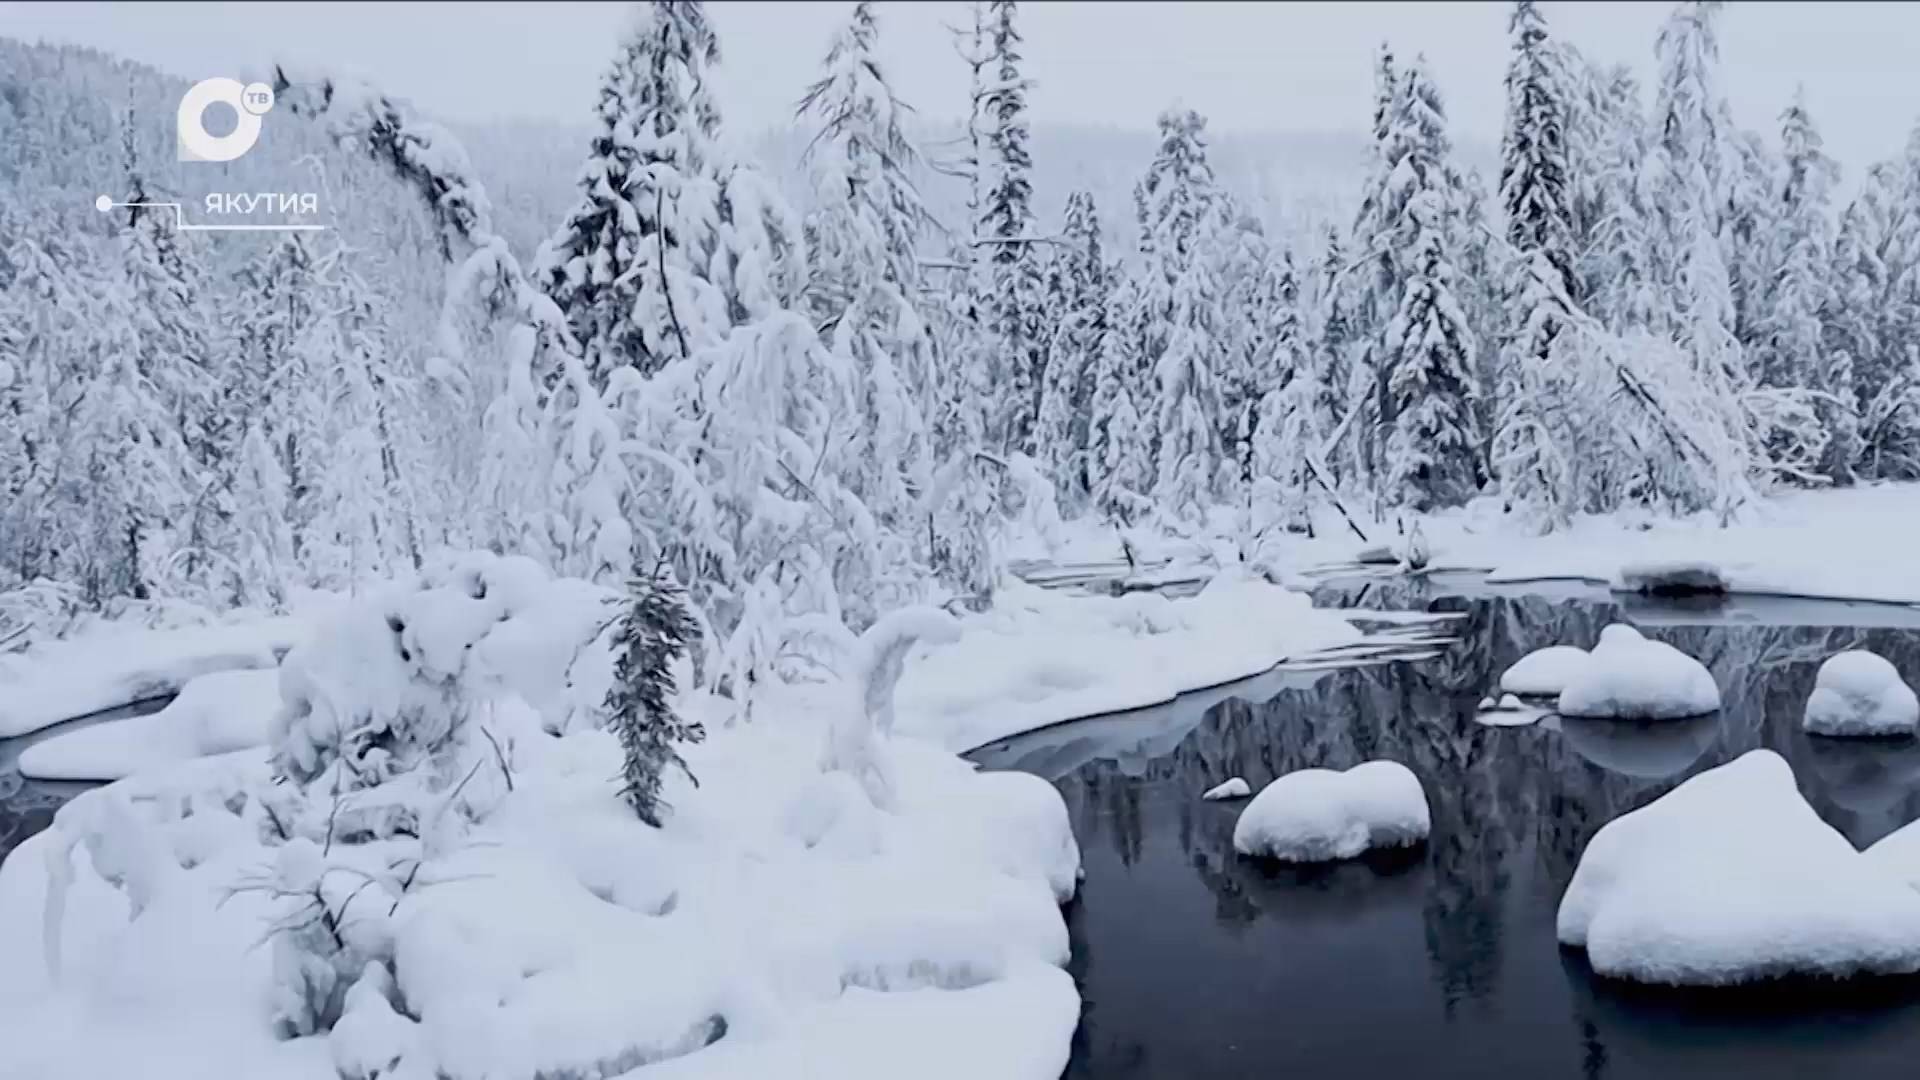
{"points": [[1318, 815], [1630, 677], [1650, 900], [1858, 693]]}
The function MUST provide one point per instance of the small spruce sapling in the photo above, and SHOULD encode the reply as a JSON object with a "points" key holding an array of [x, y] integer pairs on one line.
{"points": [[649, 637]]}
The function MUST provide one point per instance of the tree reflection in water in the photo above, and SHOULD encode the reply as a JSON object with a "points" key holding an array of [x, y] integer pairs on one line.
{"points": [[1319, 969]]}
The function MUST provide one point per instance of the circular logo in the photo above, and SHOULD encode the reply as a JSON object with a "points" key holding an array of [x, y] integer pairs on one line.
{"points": [[249, 104]]}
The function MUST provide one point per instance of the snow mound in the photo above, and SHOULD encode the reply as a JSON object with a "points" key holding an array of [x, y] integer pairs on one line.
{"points": [[1898, 854], [1631, 678], [1731, 877], [1545, 672], [1235, 788], [1318, 815], [215, 714], [1859, 693]]}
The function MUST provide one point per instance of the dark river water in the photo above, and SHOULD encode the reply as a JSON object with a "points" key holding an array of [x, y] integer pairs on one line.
{"points": [[1196, 963]]}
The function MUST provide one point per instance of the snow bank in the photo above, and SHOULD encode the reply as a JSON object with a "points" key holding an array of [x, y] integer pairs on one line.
{"points": [[1859, 693], [1545, 672], [1039, 657], [1236, 788], [214, 714], [1629, 677], [1732, 877], [115, 666], [1317, 815], [524, 923]]}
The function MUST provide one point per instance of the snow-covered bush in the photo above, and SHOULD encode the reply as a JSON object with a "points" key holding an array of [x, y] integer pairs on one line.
{"points": [[652, 634]]}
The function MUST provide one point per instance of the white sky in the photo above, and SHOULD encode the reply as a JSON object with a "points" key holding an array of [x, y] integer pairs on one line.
{"points": [[1246, 66]]}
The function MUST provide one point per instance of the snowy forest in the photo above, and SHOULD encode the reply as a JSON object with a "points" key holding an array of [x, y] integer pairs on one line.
{"points": [[815, 409]]}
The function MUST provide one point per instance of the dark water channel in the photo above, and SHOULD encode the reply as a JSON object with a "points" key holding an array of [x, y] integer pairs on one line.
{"points": [[27, 806], [1196, 964]]}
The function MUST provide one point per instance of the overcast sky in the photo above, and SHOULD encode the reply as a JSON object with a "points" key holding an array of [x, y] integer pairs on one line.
{"points": [[1246, 66]]}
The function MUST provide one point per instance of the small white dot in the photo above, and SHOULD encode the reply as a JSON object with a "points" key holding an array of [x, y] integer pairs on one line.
{"points": [[103, 204]]}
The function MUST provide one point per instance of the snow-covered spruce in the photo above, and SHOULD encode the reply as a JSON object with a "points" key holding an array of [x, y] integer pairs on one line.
{"points": [[1236, 788], [1860, 693], [1628, 677], [1545, 672], [1649, 900], [1320, 815], [649, 639]]}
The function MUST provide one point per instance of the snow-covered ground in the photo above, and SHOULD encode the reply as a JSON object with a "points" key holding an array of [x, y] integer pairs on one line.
{"points": [[819, 904], [1040, 657], [1732, 877], [1849, 543], [215, 713], [114, 664], [1319, 815]]}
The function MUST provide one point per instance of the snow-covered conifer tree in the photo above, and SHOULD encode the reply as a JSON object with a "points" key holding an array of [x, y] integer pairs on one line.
{"points": [[1802, 296], [866, 282], [1077, 314], [1427, 349], [1017, 300], [1533, 443], [651, 635]]}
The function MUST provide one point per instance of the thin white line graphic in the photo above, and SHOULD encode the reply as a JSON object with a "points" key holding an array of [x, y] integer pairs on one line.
{"points": [[104, 204]]}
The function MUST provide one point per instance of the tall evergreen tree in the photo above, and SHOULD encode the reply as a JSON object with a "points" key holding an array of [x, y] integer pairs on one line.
{"points": [[1018, 271], [1077, 313], [1427, 349], [866, 279], [1532, 442], [1792, 331], [628, 266]]}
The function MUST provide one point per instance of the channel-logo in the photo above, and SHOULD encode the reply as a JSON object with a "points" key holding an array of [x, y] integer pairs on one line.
{"points": [[249, 102]]}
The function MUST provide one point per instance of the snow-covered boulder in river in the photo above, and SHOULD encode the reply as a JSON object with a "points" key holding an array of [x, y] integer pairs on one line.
{"points": [[1859, 693], [1731, 877], [1545, 672], [1628, 677], [1235, 788], [1318, 815]]}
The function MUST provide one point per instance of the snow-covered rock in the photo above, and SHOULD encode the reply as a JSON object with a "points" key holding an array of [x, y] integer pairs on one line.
{"points": [[1673, 577], [1629, 677], [215, 713], [1898, 854], [1318, 815], [1859, 693], [1235, 788], [1732, 877], [1545, 672]]}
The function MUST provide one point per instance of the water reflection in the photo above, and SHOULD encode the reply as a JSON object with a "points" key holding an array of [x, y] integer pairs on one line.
{"points": [[1197, 963]]}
